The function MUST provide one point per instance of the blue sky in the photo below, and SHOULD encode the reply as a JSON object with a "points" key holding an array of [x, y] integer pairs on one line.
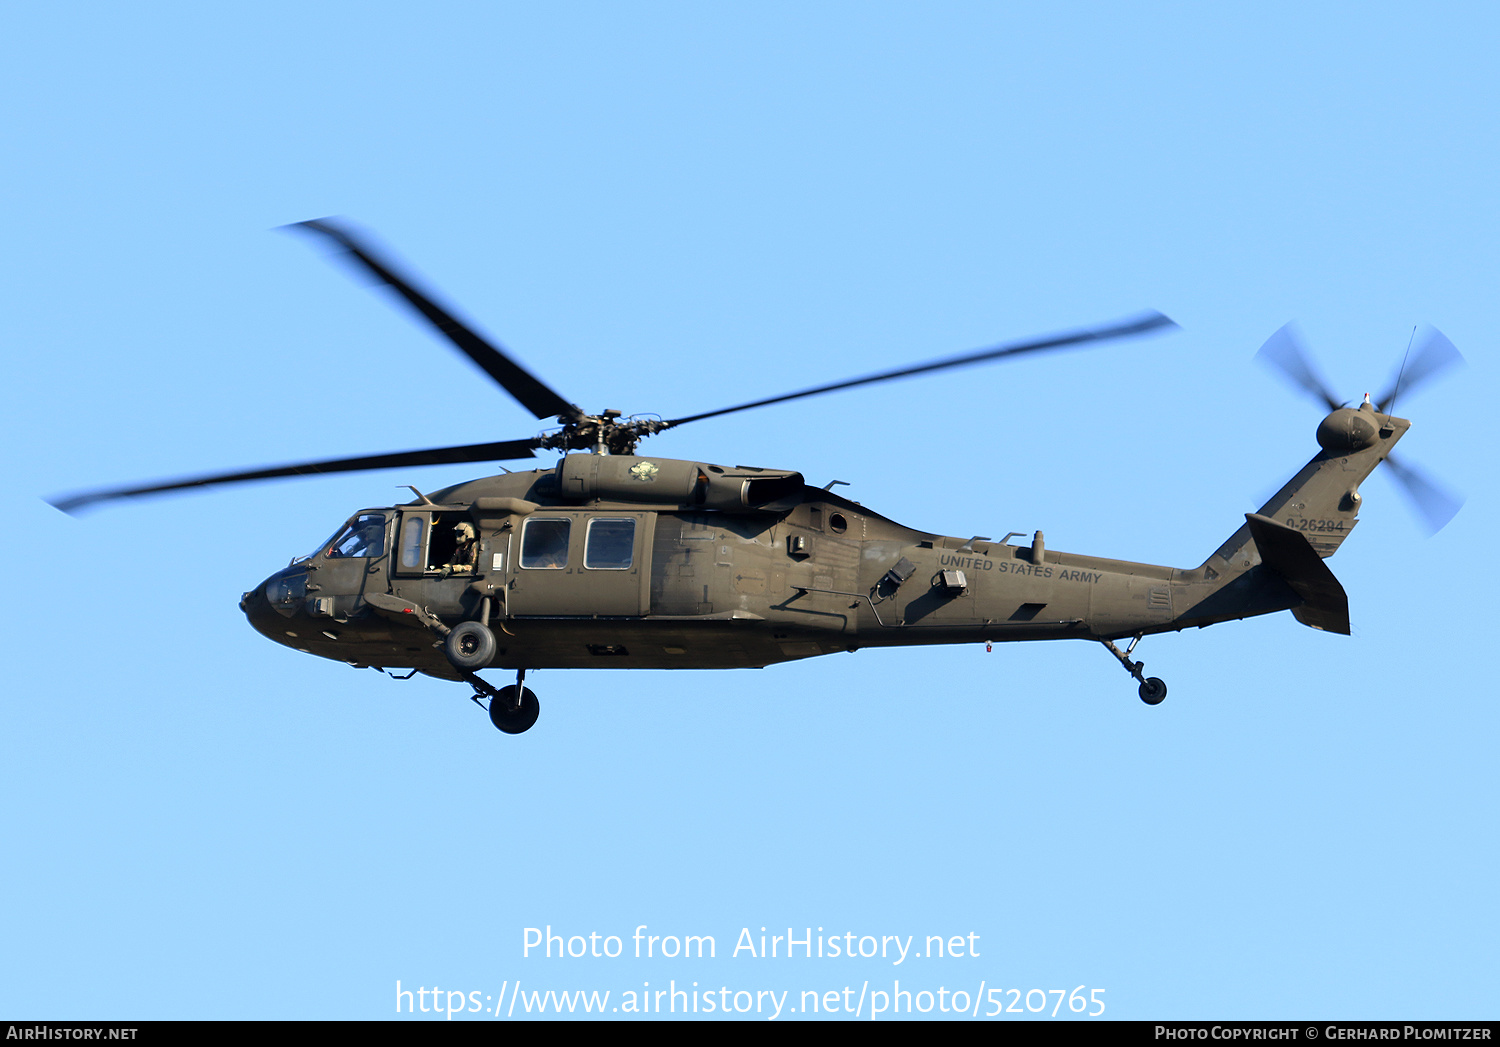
{"points": [[674, 207]]}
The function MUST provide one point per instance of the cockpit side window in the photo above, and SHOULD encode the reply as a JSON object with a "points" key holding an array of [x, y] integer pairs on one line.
{"points": [[364, 536]]}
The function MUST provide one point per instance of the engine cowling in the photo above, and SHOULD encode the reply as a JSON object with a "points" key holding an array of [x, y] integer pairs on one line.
{"points": [[628, 478]]}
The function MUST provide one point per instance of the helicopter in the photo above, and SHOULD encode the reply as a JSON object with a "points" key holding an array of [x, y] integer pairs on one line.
{"points": [[613, 559]]}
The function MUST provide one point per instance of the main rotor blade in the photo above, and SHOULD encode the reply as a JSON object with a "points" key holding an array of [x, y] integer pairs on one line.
{"points": [[1142, 324], [1433, 502], [1286, 351], [1433, 355], [534, 394], [490, 452]]}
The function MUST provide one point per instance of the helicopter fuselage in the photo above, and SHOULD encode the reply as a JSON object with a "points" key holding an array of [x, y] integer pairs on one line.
{"points": [[632, 562]]}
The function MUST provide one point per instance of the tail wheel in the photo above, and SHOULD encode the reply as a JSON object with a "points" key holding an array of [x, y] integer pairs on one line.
{"points": [[512, 716], [1153, 691]]}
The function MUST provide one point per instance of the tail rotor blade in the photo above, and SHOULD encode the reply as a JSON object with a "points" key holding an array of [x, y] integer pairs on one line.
{"points": [[1434, 503], [1433, 355], [1286, 352]]}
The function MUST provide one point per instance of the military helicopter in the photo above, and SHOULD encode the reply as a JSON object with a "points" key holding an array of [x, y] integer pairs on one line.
{"points": [[615, 560]]}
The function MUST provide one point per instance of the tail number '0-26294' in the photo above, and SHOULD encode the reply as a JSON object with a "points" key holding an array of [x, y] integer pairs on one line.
{"points": [[1315, 525]]}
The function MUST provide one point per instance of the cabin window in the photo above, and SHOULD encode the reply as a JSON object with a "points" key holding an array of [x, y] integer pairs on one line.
{"points": [[364, 536], [610, 545], [544, 544]]}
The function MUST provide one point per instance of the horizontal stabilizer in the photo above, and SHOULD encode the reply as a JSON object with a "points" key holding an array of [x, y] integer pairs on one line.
{"points": [[1287, 552]]}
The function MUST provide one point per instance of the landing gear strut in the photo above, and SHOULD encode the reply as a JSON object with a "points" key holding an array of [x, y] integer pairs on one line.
{"points": [[512, 709], [1152, 689]]}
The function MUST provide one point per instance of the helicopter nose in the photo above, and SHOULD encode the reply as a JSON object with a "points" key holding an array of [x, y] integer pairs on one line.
{"points": [[258, 610], [269, 618]]}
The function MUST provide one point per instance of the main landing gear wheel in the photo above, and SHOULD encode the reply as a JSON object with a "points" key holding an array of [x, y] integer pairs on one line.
{"points": [[1152, 691], [470, 646], [512, 716]]}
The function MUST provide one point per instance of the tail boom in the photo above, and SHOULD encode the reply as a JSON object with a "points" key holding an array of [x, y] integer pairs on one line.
{"points": [[1274, 561]]}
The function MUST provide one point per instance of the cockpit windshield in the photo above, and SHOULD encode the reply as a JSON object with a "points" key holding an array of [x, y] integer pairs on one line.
{"points": [[364, 535]]}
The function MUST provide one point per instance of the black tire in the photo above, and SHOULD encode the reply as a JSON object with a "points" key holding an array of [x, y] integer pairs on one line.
{"points": [[1153, 691], [511, 718], [471, 646]]}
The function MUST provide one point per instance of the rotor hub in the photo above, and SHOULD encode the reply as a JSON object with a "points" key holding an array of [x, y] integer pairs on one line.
{"points": [[604, 433]]}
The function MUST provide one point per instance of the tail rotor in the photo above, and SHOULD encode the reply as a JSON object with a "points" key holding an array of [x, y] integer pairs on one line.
{"points": [[1431, 353]]}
